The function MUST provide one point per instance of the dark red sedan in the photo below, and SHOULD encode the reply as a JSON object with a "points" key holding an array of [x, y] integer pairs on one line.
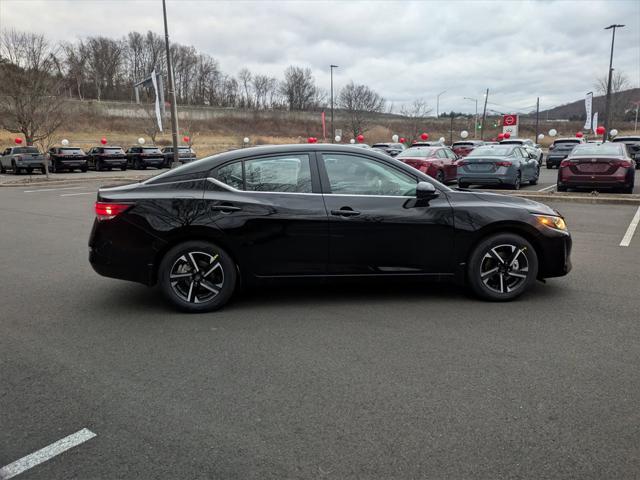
{"points": [[437, 162], [464, 148], [593, 165]]}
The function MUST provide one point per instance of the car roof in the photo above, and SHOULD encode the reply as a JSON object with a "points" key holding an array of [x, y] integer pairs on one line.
{"points": [[566, 139], [635, 138]]}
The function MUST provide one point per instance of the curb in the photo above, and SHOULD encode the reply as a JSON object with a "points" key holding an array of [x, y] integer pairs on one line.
{"points": [[54, 183], [588, 198]]}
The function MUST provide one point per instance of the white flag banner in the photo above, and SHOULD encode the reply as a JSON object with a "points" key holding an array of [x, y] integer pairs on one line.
{"points": [[155, 89], [588, 101], [594, 124]]}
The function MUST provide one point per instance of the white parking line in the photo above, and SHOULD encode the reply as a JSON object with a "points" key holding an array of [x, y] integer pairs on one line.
{"points": [[46, 453], [74, 194], [53, 189], [626, 240], [546, 189]]}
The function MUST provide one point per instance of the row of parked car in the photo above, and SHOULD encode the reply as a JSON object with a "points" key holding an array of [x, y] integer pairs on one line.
{"points": [[512, 162], [21, 159]]}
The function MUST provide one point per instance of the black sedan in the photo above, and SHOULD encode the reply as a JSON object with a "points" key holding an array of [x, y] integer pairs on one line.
{"points": [[300, 211]]}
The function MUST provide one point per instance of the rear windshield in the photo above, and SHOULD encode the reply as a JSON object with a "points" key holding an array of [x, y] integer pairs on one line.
{"points": [[594, 149], [564, 143], [151, 149], [113, 150], [462, 144], [420, 152], [511, 142], [25, 150], [184, 149], [492, 151], [71, 150], [627, 139]]}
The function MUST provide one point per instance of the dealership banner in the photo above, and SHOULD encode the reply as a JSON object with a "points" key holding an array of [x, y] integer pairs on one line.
{"points": [[588, 102], [594, 124], [510, 125], [155, 88]]}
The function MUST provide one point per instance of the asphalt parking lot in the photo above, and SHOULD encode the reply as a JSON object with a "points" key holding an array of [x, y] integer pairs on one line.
{"points": [[409, 380]]}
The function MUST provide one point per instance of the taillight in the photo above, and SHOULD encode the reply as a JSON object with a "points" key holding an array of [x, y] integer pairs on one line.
{"points": [[461, 163], [503, 164], [108, 211], [18, 157], [551, 147], [565, 163], [622, 163]]}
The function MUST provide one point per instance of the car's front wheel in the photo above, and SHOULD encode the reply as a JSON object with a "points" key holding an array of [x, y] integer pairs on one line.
{"points": [[197, 276], [502, 267]]}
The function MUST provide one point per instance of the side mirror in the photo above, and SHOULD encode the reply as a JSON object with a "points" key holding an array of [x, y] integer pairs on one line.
{"points": [[426, 191]]}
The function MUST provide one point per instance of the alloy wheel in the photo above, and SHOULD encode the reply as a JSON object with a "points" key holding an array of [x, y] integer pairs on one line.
{"points": [[504, 268], [197, 277]]}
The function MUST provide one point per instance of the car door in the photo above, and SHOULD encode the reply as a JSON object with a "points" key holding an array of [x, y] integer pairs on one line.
{"points": [[376, 226], [451, 169], [272, 213]]}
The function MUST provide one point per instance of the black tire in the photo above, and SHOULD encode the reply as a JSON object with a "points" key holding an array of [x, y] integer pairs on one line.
{"points": [[516, 185], [183, 293], [54, 169], [84, 169], [463, 185], [502, 285], [534, 181], [98, 166], [561, 188], [15, 169], [136, 164], [440, 176], [628, 189], [43, 170], [549, 166], [2, 169], [123, 168], [29, 170]]}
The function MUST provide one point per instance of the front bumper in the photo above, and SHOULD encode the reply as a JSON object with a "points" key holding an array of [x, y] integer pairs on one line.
{"points": [[556, 255]]}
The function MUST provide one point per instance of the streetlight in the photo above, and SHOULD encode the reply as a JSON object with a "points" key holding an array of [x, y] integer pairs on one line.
{"points": [[608, 101], [438, 103], [475, 126], [172, 88], [333, 132]]}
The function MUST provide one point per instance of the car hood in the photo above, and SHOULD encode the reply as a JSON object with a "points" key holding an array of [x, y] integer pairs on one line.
{"points": [[498, 198]]}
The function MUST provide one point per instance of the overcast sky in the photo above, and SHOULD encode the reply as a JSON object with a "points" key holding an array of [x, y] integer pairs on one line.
{"points": [[404, 50]]}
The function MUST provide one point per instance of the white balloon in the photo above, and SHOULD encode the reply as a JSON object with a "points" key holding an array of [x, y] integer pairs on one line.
{"points": [[141, 141], [65, 142], [246, 140], [338, 138], [553, 132], [442, 139], [395, 138], [541, 136], [613, 132], [464, 134], [352, 141]]}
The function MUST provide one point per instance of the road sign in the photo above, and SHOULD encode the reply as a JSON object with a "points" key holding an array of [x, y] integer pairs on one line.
{"points": [[509, 120]]}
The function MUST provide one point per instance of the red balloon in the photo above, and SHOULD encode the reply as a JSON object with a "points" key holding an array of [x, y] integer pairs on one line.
{"points": [[402, 139], [18, 140], [103, 141], [507, 135], [600, 130], [579, 135], [310, 140], [501, 136], [185, 139], [424, 136], [360, 138]]}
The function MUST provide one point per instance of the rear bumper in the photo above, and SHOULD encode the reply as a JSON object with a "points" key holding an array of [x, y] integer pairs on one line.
{"points": [[485, 179], [625, 179], [153, 162], [30, 163], [114, 162], [555, 161]]}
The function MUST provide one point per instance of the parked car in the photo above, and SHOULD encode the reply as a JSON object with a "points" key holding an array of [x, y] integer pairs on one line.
{"points": [[633, 146], [437, 162], [67, 158], [607, 165], [261, 213], [501, 165], [139, 157], [464, 147], [185, 155], [106, 158], [392, 149], [423, 143], [528, 145], [560, 149], [22, 159]]}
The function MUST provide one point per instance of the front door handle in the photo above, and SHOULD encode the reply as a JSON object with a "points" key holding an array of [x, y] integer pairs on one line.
{"points": [[344, 213], [224, 208]]}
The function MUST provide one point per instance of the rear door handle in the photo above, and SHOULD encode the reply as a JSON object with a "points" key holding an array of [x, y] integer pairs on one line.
{"points": [[224, 208], [344, 213]]}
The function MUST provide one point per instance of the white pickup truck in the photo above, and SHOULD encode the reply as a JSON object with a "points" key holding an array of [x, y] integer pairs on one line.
{"points": [[21, 159]]}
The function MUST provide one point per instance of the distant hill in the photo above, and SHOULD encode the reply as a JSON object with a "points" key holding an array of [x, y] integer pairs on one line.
{"points": [[575, 110]]}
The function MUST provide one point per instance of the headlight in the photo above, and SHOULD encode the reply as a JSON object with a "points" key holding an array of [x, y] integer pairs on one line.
{"points": [[552, 221]]}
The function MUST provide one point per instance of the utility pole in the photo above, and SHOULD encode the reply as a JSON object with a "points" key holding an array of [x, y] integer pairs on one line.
{"points": [[537, 118], [172, 88], [438, 103], [484, 114], [608, 100], [333, 132], [635, 126], [451, 132], [475, 125]]}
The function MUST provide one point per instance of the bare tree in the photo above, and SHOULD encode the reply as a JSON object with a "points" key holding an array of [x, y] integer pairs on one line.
{"points": [[245, 77], [299, 88], [619, 82], [415, 114], [31, 98], [359, 101]]}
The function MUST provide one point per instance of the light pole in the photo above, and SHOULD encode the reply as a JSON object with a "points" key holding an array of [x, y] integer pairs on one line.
{"points": [[172, 88], [475, 126], [333, 132], [438, 103], [608, 100]]}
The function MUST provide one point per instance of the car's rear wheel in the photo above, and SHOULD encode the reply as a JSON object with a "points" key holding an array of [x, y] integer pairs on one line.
{"points": [[440, 176], [123, 168], [2, 169], [197, 276], [516, 183], [561, 188], [463, 185], [534, 180], [502, 267]]}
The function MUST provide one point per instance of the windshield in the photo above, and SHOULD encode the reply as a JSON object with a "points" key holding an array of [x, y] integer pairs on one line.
{"points": [[491, 151], [609, 149], [421, 152], [25, 150]]}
